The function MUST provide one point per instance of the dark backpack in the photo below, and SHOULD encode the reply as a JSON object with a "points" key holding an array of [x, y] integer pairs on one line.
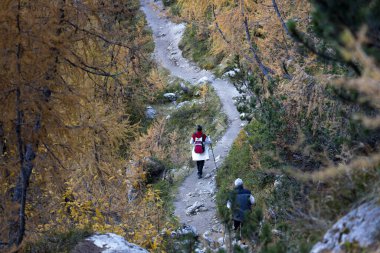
{"points": [[199, 144]]}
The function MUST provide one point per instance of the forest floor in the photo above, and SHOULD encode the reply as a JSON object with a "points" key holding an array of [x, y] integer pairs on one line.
{"points": [[167, 36]]}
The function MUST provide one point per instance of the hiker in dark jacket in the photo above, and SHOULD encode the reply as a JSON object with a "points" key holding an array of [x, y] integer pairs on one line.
{"points": [[200, 143], [240, 201]]}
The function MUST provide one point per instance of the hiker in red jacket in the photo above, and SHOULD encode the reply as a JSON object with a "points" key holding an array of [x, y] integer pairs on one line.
{"points": [[200, 149]]}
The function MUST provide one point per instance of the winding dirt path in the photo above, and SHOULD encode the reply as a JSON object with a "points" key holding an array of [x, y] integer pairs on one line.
{"points": [[166, 37]]}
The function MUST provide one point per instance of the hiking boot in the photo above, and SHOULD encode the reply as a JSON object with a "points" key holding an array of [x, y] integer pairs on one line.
{"points": [[199, 176]]}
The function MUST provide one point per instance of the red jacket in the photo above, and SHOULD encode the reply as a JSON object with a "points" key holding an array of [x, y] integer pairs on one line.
{"points": [[199, 134]]}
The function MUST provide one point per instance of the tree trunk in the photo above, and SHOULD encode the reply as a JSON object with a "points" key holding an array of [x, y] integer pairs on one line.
{"points": [[2, 141], [26, 157]]}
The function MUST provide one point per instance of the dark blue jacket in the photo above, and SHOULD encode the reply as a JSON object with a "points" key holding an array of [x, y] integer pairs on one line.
{"points": [[241, 204]]}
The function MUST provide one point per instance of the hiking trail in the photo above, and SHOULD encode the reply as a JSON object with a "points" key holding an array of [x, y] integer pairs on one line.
{"points": [[167, 35]]}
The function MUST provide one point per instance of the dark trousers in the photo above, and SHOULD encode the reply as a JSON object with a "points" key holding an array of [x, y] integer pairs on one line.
{"points": [[237, 225], [200, 165], [237, 229]]}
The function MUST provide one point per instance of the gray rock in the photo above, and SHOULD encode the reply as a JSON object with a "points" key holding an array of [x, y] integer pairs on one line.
{"points": [[194, 208], [231, 73], [217, 228], [207, 238], [360, 226], [185, 230], [184, 88], [132, 194], [182, 104], [202, 209], [107, 243], [170, 96], [193, 194], [242, 106], [208, 175], [150, 112], [204, 80]]}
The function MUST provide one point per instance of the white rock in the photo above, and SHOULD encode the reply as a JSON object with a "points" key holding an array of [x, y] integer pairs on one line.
{"points": [[277, 184], [361, 226], [170, 96], [231, 73], [204, 80], [182, 104], [113, 243]]}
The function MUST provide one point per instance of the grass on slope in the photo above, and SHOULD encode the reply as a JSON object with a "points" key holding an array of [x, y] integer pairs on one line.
{"points": [[291, 214], [196, 46]]}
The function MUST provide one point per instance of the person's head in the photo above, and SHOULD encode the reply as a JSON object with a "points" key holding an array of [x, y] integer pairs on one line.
{"points": [[199, 128], [238, 182]]}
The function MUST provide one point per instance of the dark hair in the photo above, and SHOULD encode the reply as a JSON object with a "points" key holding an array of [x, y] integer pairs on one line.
{"points": [[199, 128]]}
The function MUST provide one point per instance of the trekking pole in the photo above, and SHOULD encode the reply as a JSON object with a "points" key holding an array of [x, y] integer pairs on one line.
{"points": [[212, 151]]}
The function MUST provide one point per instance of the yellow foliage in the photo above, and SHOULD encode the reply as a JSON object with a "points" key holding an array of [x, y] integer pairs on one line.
{"points": [[67, 85], [273, 44]]}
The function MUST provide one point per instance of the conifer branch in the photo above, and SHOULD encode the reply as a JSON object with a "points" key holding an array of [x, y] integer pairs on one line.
{"points": [[303, 41]]}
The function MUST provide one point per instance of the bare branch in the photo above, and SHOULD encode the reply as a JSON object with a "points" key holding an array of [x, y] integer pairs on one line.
{"points": [[54, 156], [98, 35], [262, 67], [88, 69], [275, 6], [218, 27]]}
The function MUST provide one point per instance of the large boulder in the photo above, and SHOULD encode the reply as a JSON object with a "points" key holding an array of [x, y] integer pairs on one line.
{"points": [[359, 228], [107, 243]]}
